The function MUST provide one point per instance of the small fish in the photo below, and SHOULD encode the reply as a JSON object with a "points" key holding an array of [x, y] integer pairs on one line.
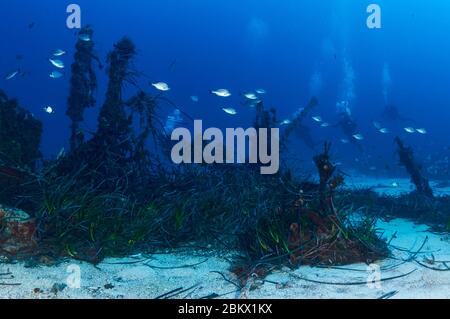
{"points": [[194, 98], [372, 168], [286, 122], [56, 75], [49, 110], [251, 96], [345, 141], [410, 130], [31, 25], [84, 37], [12, 74], [161, 86], [59, 52], [173, 121], [229, 110], [325, 124], [318, 119], [422, 131], [377, 125], [221, 93], [383, 130], [61, 154], [253, 104], [394, 184], [260, 91], [358, 137], [57, 63]]}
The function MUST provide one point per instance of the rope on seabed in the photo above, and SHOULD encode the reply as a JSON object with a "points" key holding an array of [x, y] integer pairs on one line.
{"points": [[388, 295], [227, 280], [175, 292], [169, 293], [411, 258], [9, 284], [411, 252], [433, 268], [350, 283], [8, 273], [178, 267]]}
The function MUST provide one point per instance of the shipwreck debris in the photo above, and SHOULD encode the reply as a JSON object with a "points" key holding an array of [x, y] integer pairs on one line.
{"points": [[406, 155]]}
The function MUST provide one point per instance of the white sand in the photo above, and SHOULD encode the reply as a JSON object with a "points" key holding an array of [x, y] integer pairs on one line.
{"points": [[141, 281], [138, 280]]}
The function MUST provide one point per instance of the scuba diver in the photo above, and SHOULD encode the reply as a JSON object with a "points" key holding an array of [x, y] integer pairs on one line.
{"points": [[392, 113], [296, 125], [347, 124]]}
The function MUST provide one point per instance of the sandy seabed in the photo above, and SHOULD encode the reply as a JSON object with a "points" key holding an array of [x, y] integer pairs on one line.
{"points": [[198, 274]]}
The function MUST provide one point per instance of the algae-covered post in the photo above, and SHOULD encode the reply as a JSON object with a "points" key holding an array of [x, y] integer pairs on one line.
{"points": [[83, 83], [407, 160], [326, 170], [114, 125]]}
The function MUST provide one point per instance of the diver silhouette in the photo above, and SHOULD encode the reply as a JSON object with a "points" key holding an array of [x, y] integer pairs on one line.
{"points": [[392, 113], [347, 124]]}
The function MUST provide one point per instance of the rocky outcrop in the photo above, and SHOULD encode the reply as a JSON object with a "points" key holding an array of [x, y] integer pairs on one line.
{"points": [[17, 230]]}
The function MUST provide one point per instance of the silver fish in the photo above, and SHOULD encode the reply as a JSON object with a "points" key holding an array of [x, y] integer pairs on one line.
{"points": [[61, 154], [12, 75], [422, 131], [251, 96], [161, 86], [57, 63], [59, 52], [358, 137], [49, 110], [221, 93], [84, 37], [229, 110], [56, 75]]}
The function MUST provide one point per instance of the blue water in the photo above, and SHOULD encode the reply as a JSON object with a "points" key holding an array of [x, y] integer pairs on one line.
{"points": [[241, 45]]}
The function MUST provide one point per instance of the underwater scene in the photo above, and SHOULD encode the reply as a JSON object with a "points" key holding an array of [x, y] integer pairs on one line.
{"points": [[224, 149]]}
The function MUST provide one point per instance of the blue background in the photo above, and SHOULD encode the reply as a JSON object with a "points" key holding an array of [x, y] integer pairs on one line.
{"points": [[199, 45]]}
